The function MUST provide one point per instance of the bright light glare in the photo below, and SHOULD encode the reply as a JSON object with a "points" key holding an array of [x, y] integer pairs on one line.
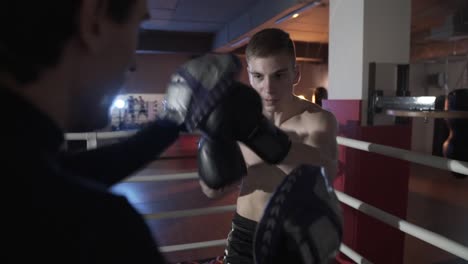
{"points": [[119, 103], [426, 99]]}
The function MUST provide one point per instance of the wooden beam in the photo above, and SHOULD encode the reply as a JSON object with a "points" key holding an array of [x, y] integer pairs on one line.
{"points": [[438, 50], [174, 42], [305, 51]]}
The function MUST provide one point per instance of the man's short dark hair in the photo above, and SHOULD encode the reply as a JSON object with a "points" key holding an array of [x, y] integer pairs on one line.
{"points": [[320, 94], [33, 33], [269, 42]]}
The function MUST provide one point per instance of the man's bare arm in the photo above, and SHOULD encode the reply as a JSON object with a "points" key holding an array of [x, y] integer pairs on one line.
{"points": [[316, 147]]}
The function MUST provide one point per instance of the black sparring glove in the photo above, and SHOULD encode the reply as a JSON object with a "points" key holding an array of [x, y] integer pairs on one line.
{"points": [[220, 162], [196, 90], [198, 87], [239, 116]]}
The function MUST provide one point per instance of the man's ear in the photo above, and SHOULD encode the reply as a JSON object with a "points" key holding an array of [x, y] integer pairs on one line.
{"points": [[91, 22], [248, 74], [297, 74]]}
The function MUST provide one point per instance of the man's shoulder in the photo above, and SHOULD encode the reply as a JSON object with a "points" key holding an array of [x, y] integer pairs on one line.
{"points": [[314, 114]]}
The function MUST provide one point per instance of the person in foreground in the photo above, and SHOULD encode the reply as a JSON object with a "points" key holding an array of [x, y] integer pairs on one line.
{"points": [[61, 65], [287, 211]]}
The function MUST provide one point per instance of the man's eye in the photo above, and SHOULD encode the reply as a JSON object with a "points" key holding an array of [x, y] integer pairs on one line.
{"points": [[177, 79]]}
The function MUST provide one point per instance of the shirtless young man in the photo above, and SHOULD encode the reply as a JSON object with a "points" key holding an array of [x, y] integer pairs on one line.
{"points": [[273, 73]]}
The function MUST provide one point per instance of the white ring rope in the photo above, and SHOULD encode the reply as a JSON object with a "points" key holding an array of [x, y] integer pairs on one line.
{"points": [[428, 160], [163, 177], [403, 154], [210, 210], [353, 255], [196, 245], [406, 227], [222, 242], [107, 135], [191, 212], [99, 135]]}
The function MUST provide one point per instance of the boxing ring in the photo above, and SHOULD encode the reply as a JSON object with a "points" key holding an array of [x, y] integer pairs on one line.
{"points": [[404, 226]]}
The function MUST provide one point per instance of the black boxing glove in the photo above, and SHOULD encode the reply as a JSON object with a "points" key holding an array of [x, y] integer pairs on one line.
{"points": [[220, 162], [197, 87], [239, 116]]}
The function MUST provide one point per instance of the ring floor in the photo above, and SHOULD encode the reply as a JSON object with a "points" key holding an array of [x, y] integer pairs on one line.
{"points": [[153, 197]]}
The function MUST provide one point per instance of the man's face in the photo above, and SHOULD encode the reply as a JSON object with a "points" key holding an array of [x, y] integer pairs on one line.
{"points": [[273, 77], [104, 69]]}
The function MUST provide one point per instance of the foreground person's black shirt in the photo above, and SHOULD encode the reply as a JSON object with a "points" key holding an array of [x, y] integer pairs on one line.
{"points": [[57, 207]]}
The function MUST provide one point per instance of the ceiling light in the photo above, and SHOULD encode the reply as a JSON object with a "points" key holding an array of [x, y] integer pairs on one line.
{"points": [[240, 42], [296, 12]]}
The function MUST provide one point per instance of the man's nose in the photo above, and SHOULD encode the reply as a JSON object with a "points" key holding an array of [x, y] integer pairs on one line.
{"points": [[268, 86]]}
